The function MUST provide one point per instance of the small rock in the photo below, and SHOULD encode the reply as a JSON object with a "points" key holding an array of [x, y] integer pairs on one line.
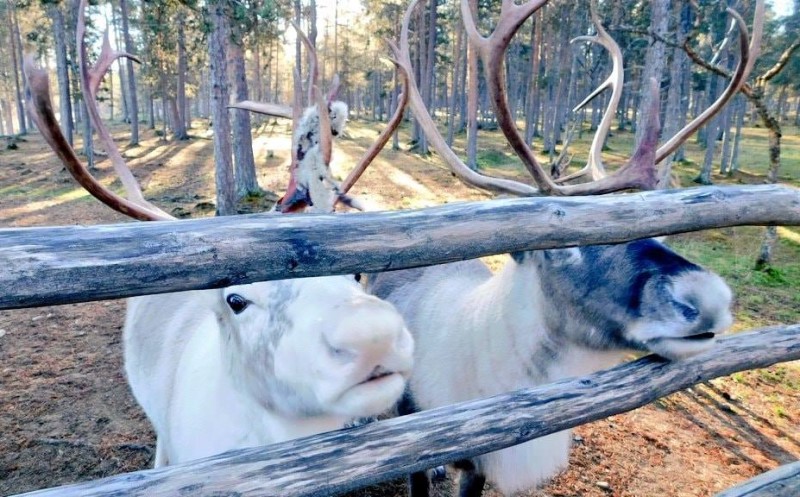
{"points": [[604, 485], [577, 438], [2, 333], [37, 318]]}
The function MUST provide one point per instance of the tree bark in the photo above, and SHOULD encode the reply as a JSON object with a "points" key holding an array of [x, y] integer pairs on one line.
{"points": [[121, 69], [677, 96], [472, 98], [458, 50], [246, 181], [62, 71], [133, 105], [88, 138], [179, 126], [15, 67], [764, 259], [655, 58], [217, 54], [741, 110]]}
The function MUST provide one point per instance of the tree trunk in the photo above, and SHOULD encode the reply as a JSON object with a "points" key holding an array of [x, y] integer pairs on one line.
{"points": [[676, 109], [457, 55], [179, 126], [2, 120], [88, 139], [655, 58], [429, 89], [217, 55], [15, 67], [62, 71], [533, 86], [151, 108], [122, 83], [245, 173], [133, 105], [394, 104], [712, 128], [741, 110], [773, 126], [472, 98], [9, 117]]}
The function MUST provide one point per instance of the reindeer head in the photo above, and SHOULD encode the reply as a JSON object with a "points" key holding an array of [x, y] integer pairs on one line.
{"points": [[316, 346], [639, 295]]}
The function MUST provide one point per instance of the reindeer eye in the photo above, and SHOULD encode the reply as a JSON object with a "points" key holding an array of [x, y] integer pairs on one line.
{"points": [[236, 302]]}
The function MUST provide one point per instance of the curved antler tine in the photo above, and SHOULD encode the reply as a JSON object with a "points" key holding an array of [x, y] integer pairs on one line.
{"points": [[640, 171], [313, 74], [436, 140], [383, 138], [269, 109], [296, 113], [492, 53], [107, 57], [325, 134], [615, 80], [334, 89], [743, 69], [89, 83], [40, 108]]}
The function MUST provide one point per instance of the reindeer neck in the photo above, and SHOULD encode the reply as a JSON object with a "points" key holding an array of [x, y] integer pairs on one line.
{"points": [[513, 301]]}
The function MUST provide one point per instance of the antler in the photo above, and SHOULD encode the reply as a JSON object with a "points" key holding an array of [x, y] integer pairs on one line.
{"points": [[640, 170], [383, 138], [40, 109], [403, 60], [748, 54], [615, 80]]}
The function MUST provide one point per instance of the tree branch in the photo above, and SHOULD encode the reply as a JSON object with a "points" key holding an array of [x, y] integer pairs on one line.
{"points": [[782, 61]]}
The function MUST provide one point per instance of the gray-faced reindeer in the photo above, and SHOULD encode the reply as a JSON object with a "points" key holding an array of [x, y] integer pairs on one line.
{"points": [[549, 314], [245, 365]]}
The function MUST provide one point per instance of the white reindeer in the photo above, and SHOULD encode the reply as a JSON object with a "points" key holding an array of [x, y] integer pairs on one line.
{"points": [[256, 364], [548, 314], [245, 365]]}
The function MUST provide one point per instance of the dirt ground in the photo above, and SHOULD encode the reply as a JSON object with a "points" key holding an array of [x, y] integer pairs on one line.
{"points": [[66, 414]]}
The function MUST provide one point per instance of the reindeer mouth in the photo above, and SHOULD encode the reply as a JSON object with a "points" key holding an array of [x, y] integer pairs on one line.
{"points": [[377, 374], [700, 336]]}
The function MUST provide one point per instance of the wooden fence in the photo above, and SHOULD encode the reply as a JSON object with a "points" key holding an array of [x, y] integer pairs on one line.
{"points": [[44, 266]]}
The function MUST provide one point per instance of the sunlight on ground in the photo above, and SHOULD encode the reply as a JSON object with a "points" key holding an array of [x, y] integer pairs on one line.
{"points": [[32, 207], [788, 234]]}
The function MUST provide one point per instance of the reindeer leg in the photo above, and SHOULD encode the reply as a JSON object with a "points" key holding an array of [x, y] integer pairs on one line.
{"points": [[419, 485], [471, 482]]}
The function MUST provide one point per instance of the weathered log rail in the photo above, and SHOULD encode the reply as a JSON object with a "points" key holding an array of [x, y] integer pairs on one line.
{"points": [[336, 462], [46, 266], [783, 481]]}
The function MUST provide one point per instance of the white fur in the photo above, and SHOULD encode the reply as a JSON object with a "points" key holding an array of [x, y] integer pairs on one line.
{"points": [[295, 362], [479, 335]]}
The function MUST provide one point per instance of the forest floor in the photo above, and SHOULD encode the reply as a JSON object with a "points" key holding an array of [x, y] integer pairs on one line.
{"points": [[66, 414]]}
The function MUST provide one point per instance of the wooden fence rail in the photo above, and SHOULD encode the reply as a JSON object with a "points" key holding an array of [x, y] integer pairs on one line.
{"points": [[783, 481], [336, 462], [46, 266]]}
